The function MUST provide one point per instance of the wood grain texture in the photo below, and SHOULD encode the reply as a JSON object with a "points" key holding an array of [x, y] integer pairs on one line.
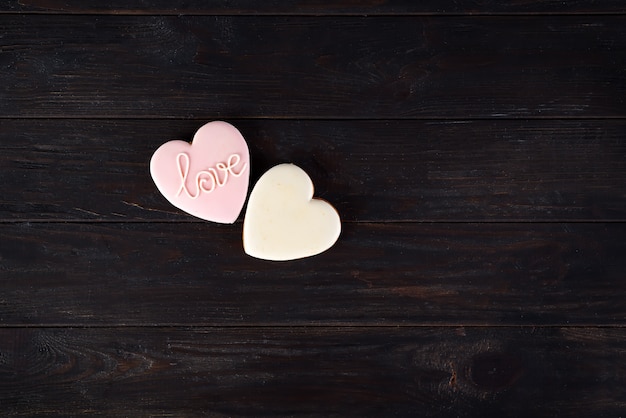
{"points": [[427, 372], [312, 67], [475, 150], [377, 274], [370, 170], [315, 7]]}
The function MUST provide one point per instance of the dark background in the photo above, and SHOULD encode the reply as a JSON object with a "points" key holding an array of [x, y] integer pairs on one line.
{"points": [[475, 150]]}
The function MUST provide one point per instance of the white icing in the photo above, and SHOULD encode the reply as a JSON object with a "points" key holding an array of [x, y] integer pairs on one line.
{"points": [[283, 221], [210, 175]]}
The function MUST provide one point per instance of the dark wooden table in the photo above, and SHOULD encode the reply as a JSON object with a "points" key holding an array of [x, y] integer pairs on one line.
{"points": [[475, 150]]}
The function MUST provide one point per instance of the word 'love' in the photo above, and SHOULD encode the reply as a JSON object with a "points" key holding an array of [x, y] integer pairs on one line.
{"points": [[207, 180]]}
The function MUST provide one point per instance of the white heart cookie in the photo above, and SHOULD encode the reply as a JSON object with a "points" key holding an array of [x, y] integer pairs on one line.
{"points": [[283, 221]]}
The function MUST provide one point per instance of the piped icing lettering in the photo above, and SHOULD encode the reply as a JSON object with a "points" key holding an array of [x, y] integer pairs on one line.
{"points": [[209, 176]]}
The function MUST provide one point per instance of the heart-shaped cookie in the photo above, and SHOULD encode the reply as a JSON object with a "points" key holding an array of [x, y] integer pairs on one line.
{"points": [[207, 178], [283, 221]]}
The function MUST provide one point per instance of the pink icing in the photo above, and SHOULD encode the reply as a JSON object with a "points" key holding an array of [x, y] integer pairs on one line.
{"points": [[207, 178]]}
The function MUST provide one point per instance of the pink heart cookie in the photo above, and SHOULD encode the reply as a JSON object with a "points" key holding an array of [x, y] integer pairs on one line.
{"points": [[207, 178]]}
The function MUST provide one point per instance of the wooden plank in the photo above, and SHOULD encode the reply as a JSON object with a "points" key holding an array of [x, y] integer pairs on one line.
{"points": [[393, 274], [314, 7], [428, 372], [370, 170], [312, 67]]}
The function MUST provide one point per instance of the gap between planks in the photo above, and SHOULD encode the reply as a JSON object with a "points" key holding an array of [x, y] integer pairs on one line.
{"points": [[351, 222], [337, 326], [494, 118], [144, 13]]}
